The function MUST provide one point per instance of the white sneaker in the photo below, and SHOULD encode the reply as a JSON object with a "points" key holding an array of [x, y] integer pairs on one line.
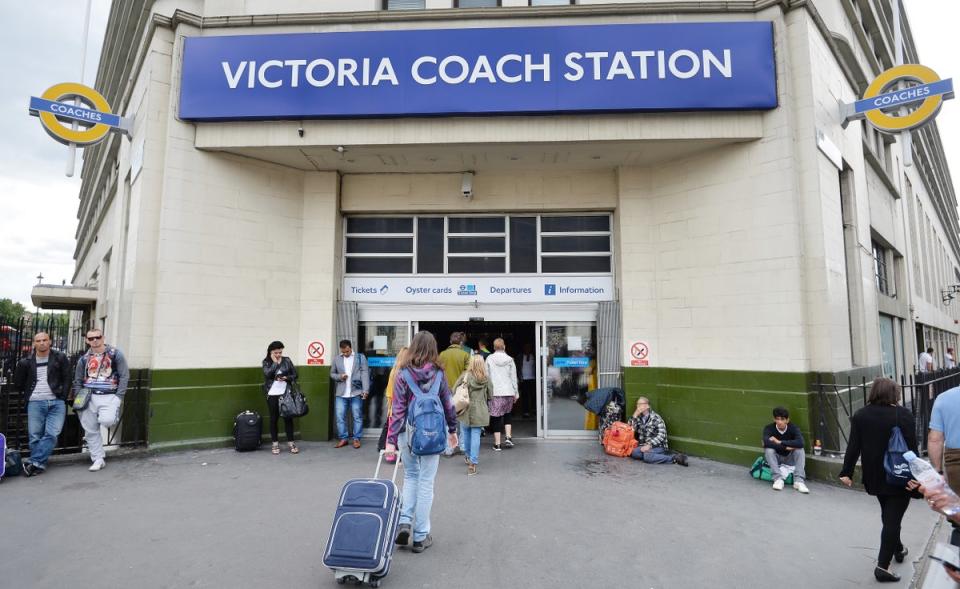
{"points": [[778, 485], [98, 464], [800, 486]]}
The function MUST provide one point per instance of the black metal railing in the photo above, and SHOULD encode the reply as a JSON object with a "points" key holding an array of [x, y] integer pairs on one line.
{"points": [[16, 343], [836, 402]]}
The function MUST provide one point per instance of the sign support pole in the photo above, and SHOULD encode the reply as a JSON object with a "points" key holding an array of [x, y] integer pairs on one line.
{"points": [[72, 156], [906, 137]]}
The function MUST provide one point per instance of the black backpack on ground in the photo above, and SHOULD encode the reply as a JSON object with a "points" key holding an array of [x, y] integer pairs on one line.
{"points": [[247, 431]]}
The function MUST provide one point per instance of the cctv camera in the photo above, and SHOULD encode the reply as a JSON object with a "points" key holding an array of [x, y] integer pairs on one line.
{"points": [[300, 131], [466, 185]]}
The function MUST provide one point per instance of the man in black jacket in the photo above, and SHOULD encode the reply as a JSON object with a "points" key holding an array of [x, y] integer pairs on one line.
{"points": [[783, 444], [43, 378]]}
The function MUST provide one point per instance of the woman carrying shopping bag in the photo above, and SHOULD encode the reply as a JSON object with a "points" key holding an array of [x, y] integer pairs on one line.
{"points": [[476, 416]]}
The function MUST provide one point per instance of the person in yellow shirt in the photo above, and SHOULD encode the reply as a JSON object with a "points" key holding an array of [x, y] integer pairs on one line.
{"points": [[388, 394]]}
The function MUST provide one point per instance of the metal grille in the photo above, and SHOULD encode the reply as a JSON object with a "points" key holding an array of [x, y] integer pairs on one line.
{"points": [[347, 320], [608, 344], [16, 343]]}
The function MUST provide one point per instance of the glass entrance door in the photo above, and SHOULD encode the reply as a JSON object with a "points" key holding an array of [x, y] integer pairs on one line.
{"points": [[569, 368], [379, 341]]}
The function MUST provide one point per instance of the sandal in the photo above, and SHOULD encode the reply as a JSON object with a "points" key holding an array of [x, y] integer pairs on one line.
{"points": [[293, 449], [275, 449]]}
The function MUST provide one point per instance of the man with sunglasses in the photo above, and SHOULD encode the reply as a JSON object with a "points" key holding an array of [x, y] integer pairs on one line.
{"points": [[103, 371]]}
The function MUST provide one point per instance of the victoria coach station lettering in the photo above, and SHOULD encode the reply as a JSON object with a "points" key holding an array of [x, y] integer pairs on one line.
{"points": [[652, 67], [455, 69]]}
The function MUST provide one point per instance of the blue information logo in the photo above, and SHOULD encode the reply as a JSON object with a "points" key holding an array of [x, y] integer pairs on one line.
{"points": [[550, 290], [467, 290], [571, 361], [381, 361]]}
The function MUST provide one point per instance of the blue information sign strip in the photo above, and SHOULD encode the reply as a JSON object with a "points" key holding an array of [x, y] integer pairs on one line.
{"points": [[588, 68], [381, 361], [73, 112], [905, 96], [571, 362]]}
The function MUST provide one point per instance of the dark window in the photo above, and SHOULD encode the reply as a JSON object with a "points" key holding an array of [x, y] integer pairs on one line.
{"points": [[574, 224], [476, 265], [475, 225], [379, 225], [576, 243], [523, 244], [575, 264], [880, 268], [430, 245], [379, 245], [403, 4], [476, 245], [379, 265]]}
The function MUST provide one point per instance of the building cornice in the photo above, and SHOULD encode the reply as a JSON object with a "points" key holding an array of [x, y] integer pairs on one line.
{"points": [[117, 82]]}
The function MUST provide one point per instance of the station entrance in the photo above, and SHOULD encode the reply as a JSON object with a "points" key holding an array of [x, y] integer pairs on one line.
{"points": [[561, 356]]}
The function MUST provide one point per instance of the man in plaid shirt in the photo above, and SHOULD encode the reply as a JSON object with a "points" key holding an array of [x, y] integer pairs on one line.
{"points": [[651, 432]]}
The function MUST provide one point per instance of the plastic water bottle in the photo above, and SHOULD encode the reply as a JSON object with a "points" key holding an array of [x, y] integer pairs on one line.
{"points": [[932, 480]]}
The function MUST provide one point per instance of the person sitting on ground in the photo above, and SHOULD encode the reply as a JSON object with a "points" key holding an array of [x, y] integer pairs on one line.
{"points": [[783, 444], [651, 432]]}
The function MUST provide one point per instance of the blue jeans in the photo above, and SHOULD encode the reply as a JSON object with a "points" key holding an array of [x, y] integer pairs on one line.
{"points": [[44, 423], [654, 456], [471, 442], [356, 411], [417, 499]]}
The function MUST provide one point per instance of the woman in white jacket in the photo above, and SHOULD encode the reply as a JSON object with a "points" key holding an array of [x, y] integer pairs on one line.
{"points": [[503, 375]]}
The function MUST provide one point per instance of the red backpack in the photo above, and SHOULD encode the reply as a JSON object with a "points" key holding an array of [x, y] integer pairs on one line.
{"points": [[618, 439]]}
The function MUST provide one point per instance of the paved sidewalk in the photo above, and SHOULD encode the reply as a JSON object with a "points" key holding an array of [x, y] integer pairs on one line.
{"points": [[544, 514]]}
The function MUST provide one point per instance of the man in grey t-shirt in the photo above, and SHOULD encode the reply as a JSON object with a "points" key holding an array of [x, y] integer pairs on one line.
{"points": [[43, 378]]}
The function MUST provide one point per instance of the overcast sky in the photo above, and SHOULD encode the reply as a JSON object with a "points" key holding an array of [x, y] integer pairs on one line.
{"points": [[41, 46]]}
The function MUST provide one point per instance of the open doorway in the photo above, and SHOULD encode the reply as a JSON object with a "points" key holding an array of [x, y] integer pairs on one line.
{"points": [[520, 339]]}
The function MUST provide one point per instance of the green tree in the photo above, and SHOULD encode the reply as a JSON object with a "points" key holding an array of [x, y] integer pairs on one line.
{"points": [[10, 309]]}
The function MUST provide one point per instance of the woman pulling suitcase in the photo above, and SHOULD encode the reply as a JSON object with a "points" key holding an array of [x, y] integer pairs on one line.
{"points": [[421, 371]]}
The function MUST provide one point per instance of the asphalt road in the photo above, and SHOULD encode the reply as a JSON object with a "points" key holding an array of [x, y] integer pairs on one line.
{"points": [[544, 514]]}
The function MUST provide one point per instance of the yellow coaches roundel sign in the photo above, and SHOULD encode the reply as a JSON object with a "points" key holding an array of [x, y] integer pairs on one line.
{"points": [[63, 104], [926, 95]]}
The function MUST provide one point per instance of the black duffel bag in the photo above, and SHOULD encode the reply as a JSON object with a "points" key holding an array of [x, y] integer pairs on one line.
{"points": [[292, 402]]}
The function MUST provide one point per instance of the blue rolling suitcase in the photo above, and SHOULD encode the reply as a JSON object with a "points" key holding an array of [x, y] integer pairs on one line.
{"points": [[11, 465], [361, 541]]}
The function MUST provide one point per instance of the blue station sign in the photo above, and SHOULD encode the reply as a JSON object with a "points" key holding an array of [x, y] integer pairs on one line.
{"points": [[73, 112], [556, 69]]}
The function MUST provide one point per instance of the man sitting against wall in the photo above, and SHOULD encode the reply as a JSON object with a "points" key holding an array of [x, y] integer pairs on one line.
{"points": [[783, 444], [651, 433]]}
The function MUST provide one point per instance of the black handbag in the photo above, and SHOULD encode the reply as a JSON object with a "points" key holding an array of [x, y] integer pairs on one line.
{"points": [[292, 402]]}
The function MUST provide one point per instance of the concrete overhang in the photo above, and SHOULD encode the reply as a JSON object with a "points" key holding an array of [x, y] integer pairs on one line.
{"points": [[453, 144], [63, 298]]}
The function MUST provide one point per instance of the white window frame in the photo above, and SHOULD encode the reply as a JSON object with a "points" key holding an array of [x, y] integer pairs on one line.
{"points": [[505, 234]]}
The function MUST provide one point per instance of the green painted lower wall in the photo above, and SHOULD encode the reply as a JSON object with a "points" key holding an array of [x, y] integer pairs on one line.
{"points": [[196, 406], [720, 414]]}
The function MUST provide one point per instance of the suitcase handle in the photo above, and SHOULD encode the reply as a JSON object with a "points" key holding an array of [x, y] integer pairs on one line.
{"points": [[396, 465]]}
